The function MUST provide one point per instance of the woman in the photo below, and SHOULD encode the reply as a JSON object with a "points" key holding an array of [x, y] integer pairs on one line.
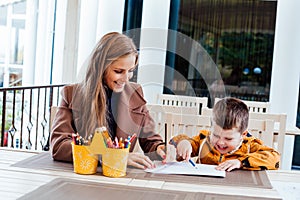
{"points": [[106, 98]]}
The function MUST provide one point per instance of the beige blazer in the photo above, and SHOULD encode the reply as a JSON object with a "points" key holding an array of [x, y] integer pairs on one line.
{"points": [[132, 117]]}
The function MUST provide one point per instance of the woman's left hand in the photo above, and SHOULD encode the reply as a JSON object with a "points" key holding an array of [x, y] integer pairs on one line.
{"points": [[139, 160]]}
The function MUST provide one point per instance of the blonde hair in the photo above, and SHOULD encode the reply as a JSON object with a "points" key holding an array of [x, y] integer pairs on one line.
{"points": [[231, 113], [110, 48]]}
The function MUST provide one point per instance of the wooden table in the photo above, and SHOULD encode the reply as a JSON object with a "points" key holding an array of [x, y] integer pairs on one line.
{"points": [[17, 181]]}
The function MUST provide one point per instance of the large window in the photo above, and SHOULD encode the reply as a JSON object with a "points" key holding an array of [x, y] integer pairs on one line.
{"points": [[239, 37], [132, 24]]}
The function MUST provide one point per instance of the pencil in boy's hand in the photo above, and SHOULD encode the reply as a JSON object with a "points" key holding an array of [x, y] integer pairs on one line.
{"points": [[192, 163], [190, 160]]}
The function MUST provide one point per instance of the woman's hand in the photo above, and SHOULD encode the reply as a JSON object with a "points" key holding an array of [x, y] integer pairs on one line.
{"points": [[139, 160], [160, 150], [184, 149], [229, 165]]}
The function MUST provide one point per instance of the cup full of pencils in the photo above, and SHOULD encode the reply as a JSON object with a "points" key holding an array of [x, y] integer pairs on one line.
{"points": [[84, 161], [114, 160]]}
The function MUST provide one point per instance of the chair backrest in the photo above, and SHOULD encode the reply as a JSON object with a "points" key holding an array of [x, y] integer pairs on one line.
{"points": [[184, 101], [172, 109], [258, 106], [158, 114], [187, 124], [279, 128], [206, 111], [264, 130], [255, 106], [168, 124], [53, 111]]}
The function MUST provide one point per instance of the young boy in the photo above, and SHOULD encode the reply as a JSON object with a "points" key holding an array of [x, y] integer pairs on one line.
{"points": [[228, 144]]}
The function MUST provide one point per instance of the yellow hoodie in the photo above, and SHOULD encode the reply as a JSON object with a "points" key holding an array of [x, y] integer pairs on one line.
{"points": [[252, 153]]}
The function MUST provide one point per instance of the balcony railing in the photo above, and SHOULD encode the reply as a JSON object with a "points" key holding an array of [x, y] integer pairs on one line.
{"points": [[25, 116]]}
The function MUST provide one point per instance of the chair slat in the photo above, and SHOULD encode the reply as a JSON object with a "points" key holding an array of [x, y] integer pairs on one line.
{"points": [[184, 101]]}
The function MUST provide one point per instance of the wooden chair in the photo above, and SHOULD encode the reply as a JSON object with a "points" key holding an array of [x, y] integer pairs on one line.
{"points": [[279, 128], [264, 130], [183, 101], [255, 106], [258, 106], [159, 115], [172, 109], [168, 124], [206, 111], [187, 124], [53, 111]]}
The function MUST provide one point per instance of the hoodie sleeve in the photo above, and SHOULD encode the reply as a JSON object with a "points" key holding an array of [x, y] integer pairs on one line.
{"points": [[195, 141], [260, 157]]}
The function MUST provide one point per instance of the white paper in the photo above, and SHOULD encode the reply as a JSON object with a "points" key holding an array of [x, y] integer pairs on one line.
{"points": [[186, 169]]}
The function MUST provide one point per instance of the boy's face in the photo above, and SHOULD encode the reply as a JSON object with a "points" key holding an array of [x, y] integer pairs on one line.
{"points": [[225, 141]]}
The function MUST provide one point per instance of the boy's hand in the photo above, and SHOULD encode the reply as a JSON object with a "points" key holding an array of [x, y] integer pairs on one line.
{"points": [[171, 154], [229, 165], [184, 149]]}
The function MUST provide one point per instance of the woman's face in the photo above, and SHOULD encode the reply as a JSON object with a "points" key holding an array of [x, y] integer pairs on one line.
{"points": [[119, 72], [225, 141]]}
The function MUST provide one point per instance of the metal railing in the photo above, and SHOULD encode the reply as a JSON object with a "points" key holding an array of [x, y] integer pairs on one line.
{"points": [[25, 116]]}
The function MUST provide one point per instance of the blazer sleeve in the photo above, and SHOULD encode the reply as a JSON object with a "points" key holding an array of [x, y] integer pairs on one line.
{"points": [[148, 138], [63, 128]]}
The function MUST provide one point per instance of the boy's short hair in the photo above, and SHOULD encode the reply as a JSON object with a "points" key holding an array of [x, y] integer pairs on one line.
{"points": [[231, 113]]}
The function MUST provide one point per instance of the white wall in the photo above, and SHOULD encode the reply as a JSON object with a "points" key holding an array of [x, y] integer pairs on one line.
{"points": [[286, 62], [110, 17], [44, 43], [153, 44], [59, 41], [97, 17], [286, 68], [87, 34]]}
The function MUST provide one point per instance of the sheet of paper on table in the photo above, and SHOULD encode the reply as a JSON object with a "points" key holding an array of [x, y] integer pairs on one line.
{"points": [[186, 168]]}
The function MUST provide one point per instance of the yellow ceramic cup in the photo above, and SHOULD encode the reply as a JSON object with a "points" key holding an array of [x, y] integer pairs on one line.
{"points": [[84, 161], [114, 162]]}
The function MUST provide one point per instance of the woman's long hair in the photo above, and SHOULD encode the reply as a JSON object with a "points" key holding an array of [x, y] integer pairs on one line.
{"points": [[110, 48]]}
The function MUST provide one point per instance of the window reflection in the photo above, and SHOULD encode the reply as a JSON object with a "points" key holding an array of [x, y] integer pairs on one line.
{"points": [[238, 36], [132, 23], [19, 8], [3, 15], [17, 41]]}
